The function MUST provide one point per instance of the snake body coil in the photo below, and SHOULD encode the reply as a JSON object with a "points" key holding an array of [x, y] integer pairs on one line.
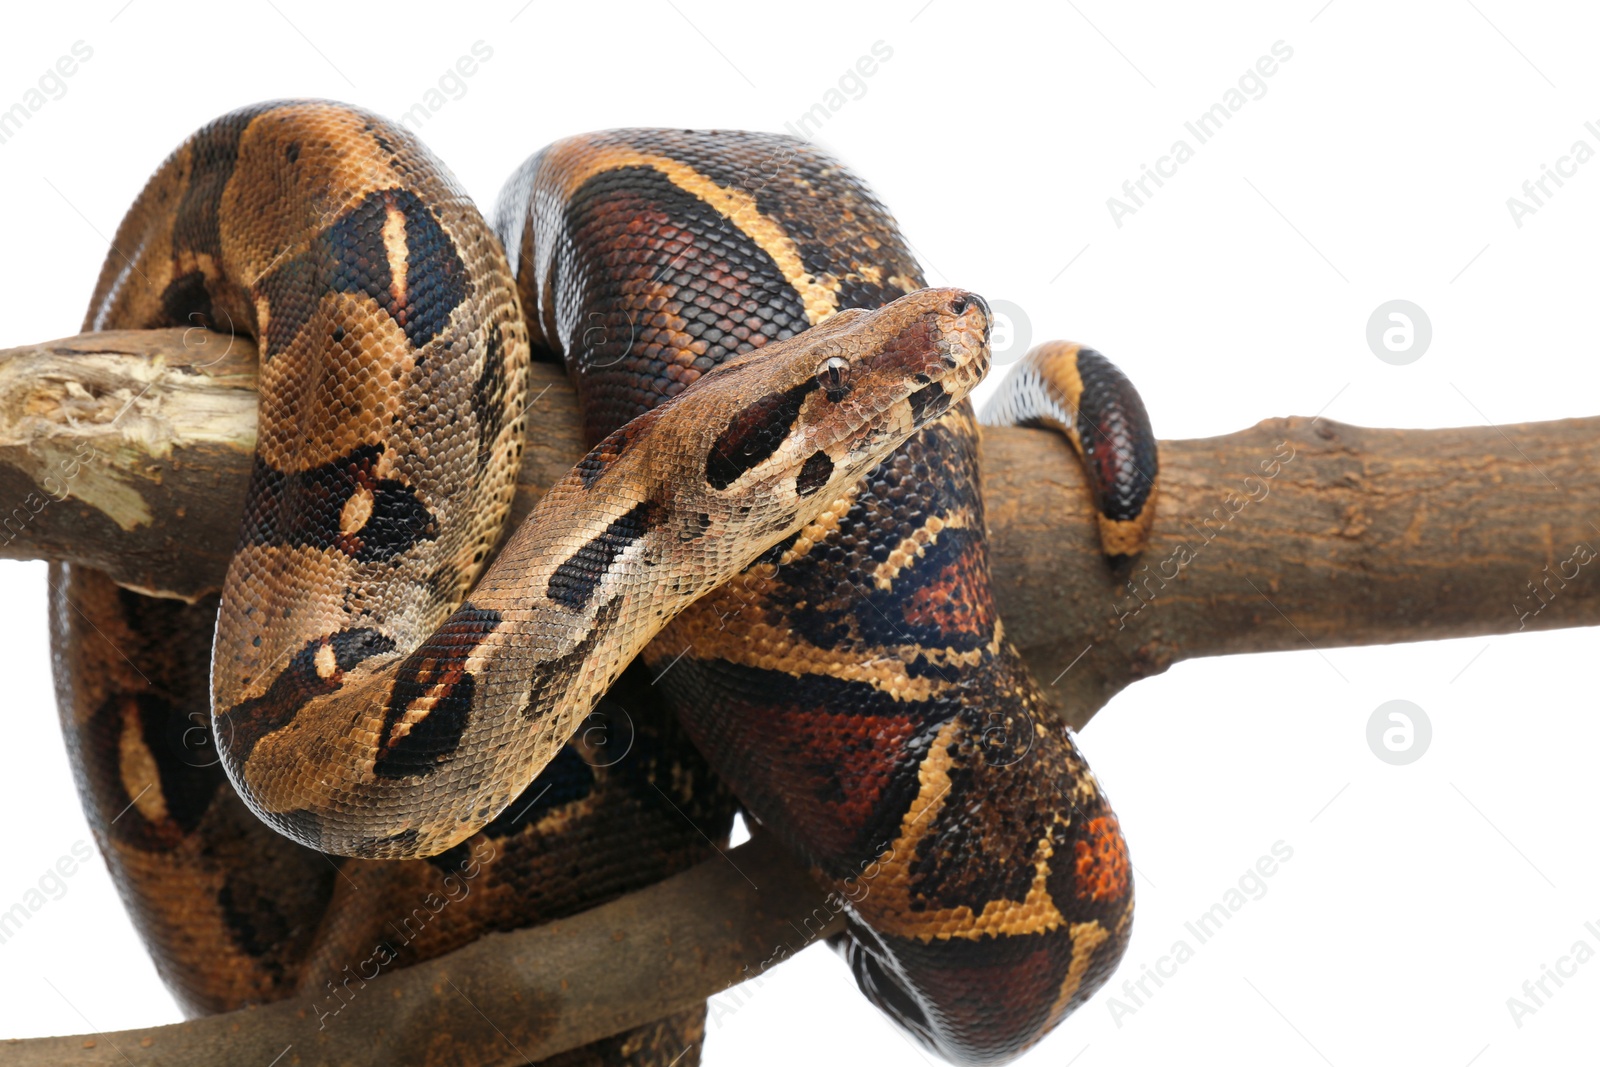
{"points": [[854, 686], [852, 683]]}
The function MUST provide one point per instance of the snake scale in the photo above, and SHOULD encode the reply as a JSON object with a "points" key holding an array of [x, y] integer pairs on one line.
{"points": [[391, 698]]}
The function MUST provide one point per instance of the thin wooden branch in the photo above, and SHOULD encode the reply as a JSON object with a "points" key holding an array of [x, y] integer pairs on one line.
{"points": [[510, 998], [129, 452]]}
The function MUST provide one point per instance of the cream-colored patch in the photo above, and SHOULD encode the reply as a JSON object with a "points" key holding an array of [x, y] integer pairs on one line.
{"points": [[1058, 365], [188, 261], [421, 707], [136, 765], [1085, 788], [933, 782], [819, 293], [1086, 937], [414, 714], [734, 623], [263, 314], [327, 662], [394, 247], [759, 644], [913, 547], [1127, 537], [818, 531], [356, 511]]}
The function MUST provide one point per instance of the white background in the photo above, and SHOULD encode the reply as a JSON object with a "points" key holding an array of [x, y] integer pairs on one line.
{"points": [[1376, 166]]}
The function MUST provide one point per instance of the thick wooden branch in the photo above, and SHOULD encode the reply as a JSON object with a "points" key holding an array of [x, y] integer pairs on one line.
{"points": [[509, 998], [129, 452], [1366, 536]]}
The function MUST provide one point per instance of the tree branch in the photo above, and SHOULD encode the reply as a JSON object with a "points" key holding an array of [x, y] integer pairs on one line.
{"points": [[510, 998], [1365, 536], [130, 451]]}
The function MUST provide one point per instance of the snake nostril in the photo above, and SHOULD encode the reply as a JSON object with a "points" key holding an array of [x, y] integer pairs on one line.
{"points": [[961, 304]]}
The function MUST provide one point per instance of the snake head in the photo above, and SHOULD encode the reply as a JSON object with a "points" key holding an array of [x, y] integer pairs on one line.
{"points": [[817, 411]]}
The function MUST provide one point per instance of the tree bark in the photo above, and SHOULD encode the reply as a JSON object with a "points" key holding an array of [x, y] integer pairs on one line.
{"points": [[509, 999], [130, 452]]}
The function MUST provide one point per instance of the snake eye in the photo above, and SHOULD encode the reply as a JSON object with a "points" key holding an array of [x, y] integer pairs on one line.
{"points": [[834, 376]]}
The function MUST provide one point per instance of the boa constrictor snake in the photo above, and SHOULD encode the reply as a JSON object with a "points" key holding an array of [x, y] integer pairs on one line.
{"points": [[385, 681]]}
